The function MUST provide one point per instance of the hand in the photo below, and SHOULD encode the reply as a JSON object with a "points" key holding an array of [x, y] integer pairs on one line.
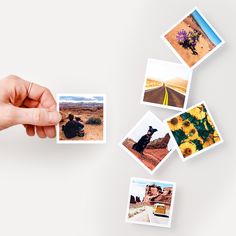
{"points": [[32, 105]]}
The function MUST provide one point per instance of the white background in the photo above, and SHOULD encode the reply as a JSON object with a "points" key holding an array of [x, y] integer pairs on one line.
{"points": [[102, 47]]}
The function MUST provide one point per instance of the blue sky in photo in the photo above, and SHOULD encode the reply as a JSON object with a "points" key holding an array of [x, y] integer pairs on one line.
{"points": [[96, 99], [206, 28], [145, 182]]}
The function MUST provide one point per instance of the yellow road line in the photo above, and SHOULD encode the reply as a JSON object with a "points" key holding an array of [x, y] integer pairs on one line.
{"points": [[165, 101]]}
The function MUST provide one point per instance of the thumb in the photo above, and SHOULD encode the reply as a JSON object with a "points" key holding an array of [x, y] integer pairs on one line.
{"points": [[36, 116]]}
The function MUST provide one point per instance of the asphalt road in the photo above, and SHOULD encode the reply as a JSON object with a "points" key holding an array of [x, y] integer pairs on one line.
{"points": [[148, 216], [164, 95], [156, 219]]}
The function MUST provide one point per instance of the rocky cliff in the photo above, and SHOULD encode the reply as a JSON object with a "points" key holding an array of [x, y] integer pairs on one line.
{"points": [[154, 194], [159, 143]]}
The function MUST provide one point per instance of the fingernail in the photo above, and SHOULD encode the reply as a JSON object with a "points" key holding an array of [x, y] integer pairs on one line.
{"points": [[54, 117]]}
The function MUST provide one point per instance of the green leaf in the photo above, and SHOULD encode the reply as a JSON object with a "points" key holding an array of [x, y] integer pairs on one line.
{"points": [[209, 127], [179, 136], [191, 118], [204, 108], [202, 132], [198, 144], [185, 116]]}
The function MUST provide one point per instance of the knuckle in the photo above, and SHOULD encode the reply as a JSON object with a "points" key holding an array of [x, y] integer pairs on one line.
{"points": [[12, 78], [47, 91]]}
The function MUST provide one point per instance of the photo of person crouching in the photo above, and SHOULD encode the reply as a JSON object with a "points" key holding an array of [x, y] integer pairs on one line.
{"points": [[73, 127]]}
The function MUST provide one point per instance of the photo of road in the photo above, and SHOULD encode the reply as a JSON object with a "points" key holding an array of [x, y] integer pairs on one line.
{"points": [[150, 202], [148, 216], [164, 95], [166, 84]]}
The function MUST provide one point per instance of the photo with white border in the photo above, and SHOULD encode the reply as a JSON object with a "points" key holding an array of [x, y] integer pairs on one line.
{"points": [[192, 39], [194, 131], [166, 85], [150, 202], [149, 142], [83, 119]]}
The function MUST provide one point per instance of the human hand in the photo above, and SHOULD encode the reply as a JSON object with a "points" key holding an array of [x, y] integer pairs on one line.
{"points": [[32, 105]]}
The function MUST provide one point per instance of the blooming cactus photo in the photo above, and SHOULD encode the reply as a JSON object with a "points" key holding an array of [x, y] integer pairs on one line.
{"points": [[193, 39]]}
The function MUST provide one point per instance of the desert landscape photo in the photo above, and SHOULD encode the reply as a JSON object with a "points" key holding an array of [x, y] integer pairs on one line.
{"points": [[193, 38], [150, 202], [166, 83], [85, 110], [151, 152]]}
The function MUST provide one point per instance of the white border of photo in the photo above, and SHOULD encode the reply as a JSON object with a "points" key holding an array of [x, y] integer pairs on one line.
{"points": [[203, 150], [136, 158], [171, 206], [161, 105], [103, 141], [178, 55]]}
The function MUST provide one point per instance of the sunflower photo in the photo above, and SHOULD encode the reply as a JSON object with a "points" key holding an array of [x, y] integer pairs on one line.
{"points": [[193, 39], [194, 131]]}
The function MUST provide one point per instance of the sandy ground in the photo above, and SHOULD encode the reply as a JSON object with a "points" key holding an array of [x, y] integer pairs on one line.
{"points": [[178, 84], [150, 158], [153, 83], [203, 47], [92, 132]]}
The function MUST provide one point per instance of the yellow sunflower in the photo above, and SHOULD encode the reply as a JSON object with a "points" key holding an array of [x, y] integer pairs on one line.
{"points": [[187, 126], [198, 112], [175, 123], [188, 148], [208, 143], [216, 136], [193, 134], [210, 121]]}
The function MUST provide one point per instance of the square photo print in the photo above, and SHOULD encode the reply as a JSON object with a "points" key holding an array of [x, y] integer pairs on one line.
{"points": [[193, 39], [83, 118], [166, 84], [194, 131], [149, 143], [150, 202]]}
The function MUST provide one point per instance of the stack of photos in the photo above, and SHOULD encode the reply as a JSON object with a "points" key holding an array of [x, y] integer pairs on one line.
{"points": [[193, 39], [83, 118], [166, 84], [149, 142], [194, 131], [150, 202]]}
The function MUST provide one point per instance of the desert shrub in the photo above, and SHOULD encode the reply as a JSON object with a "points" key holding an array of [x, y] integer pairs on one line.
{"points": [[94, 121]]}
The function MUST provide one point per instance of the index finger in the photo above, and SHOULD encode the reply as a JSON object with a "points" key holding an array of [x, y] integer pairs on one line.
{"points": [[43, 95]]}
